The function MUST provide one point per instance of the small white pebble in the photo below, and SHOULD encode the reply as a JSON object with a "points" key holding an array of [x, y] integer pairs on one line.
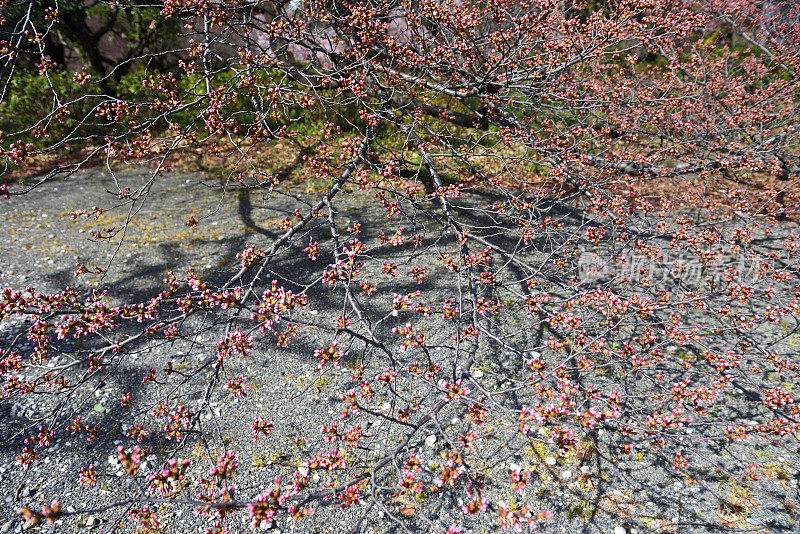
{"points": [[514, 467], [619, 530], [550, 460], [585, 469], [477, 373], [566, 474], [430, 441]]}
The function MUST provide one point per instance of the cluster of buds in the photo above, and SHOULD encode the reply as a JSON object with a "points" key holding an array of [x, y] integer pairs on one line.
{"points": [[486, 306], [350, 437], [42, 439], [261, 427], [130, 462], [138, 431], [564, 439], [349, 496], [455, 390], [275, 301], [389, 268], [235, 342], [478, 502], [412, 339], [237, 386], [146, 517], [387, 376], [88, 476], [466, 333], [169, 480], [418, 273], [217, 489], [409, 482], [680, 462], [449, 310], [592, 416], [49, 514], [660, 421], [481, 258], [466, 439], [268, 504], [514, 517], [451, 470], [478, 414], [778, 398], [250, 255], [312, 250], [226, 299], [225, 467], [178, 419], [333, 460], [403, 302], [351, 403], [519, 478], [331, 354]]}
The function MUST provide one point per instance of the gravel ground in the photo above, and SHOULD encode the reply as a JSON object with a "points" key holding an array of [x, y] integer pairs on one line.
{"points": [[40, 245]]}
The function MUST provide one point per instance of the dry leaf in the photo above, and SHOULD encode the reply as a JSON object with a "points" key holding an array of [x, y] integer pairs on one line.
{"points": [[409, 506]]}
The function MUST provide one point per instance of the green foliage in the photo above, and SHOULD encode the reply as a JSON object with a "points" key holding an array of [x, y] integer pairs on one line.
{"points": [[29, 97]]}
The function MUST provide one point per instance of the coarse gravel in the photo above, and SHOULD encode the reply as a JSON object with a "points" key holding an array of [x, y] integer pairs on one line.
{"points": [[40, 246]]}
